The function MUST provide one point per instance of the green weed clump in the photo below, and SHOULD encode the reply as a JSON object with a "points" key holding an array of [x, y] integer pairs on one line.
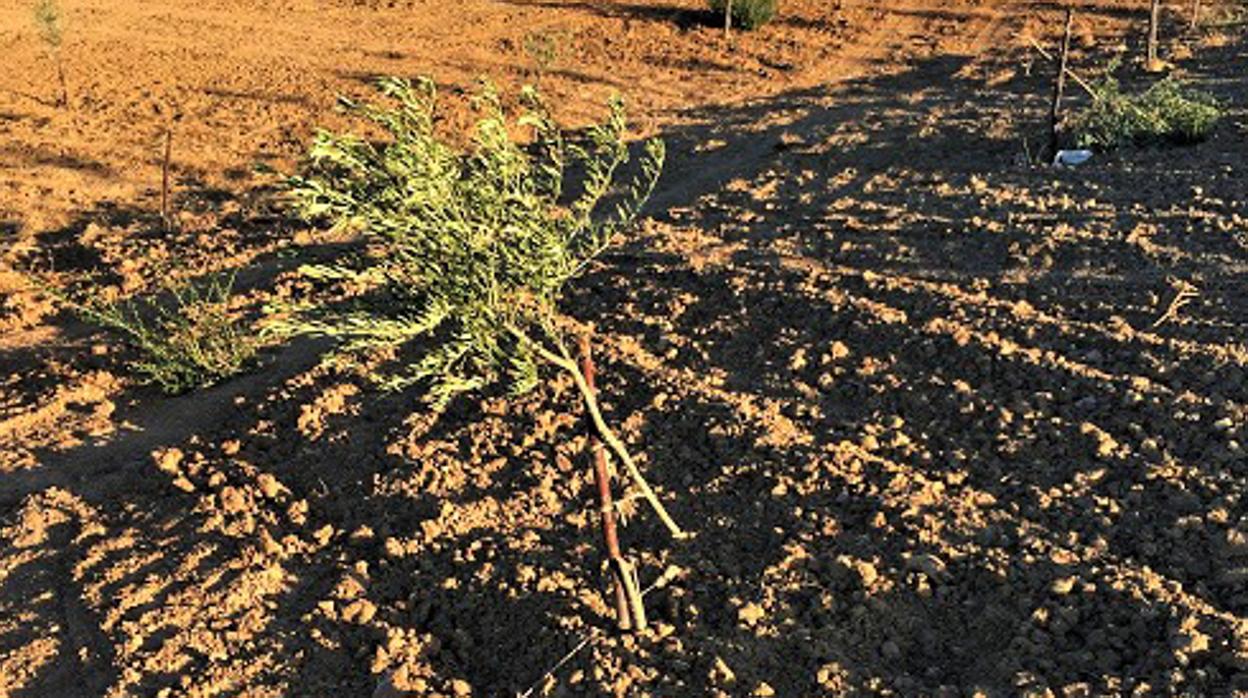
{"points": [[1165, 112], [469, 250], [747, 14], [544, 49], [48, 20], [190, 340]]}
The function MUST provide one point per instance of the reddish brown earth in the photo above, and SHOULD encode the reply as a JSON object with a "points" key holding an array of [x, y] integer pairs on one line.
{"points": [[910, 392]]}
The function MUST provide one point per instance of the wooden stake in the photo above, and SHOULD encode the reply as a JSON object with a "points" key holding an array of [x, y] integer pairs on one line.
{"points": [[1154, 18], [1059, 86], [630, 613], [164, 179]]}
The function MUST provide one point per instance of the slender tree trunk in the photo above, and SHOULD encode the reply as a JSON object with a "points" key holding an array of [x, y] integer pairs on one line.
{"points": [[1059, 86], [727, 19], [1195, 15], [630, 613], [60, 76]]}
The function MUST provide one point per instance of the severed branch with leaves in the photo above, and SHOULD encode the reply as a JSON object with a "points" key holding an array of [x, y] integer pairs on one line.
{"points": [[470, 250]]}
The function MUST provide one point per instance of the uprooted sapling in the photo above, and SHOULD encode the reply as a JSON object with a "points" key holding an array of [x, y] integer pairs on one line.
{"points": [[469, 251]]}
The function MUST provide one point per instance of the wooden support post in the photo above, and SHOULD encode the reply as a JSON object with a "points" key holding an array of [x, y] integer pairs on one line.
{"points": [[165, 215], [630, 614], [1152, 62], [1059, 87]]}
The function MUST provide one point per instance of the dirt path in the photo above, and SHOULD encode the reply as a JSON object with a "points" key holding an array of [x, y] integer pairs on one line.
{"points": [[910, 393]]}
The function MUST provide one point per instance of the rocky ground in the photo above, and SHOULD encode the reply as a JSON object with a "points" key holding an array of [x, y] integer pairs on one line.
{"points": [[922, 402]]}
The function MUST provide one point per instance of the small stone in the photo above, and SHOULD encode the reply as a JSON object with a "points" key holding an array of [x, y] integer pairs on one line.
{"points": [[168, 460], [798, 361], [233, 501], [1063, 585], [362, 535], [1104, 443], [751, 613], [866, 572], [721, 673], [323, 534], [269, 544], [359, 611], [1236, 543], [830, 675], [269, 486], [298, 512]]}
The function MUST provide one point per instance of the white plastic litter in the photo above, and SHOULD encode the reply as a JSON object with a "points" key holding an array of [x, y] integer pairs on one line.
{"points": [[1071, 158]]}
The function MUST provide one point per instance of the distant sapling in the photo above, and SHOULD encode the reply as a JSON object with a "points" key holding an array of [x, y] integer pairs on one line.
{"points": [[543, 48], [48, 20]]}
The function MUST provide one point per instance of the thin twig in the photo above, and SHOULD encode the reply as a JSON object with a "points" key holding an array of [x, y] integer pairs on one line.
{"points": [[671, 573], [1087, 87], [1184, 292], [592, 635], [608, 435]]}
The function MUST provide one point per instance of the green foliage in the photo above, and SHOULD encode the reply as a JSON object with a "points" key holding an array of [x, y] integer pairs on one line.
{"points": [[469, 249], [48, 20], [191, 341], [747, 14], [1165, 112], [543, 48]]}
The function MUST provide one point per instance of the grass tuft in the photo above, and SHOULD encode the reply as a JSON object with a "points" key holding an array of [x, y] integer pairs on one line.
{"points": [[191, 340]]}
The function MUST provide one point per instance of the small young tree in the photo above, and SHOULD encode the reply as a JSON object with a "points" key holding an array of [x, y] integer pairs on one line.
{"points": [[48, 20], [746, 14], [544, 49], [189, 338], [471, 250]]}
